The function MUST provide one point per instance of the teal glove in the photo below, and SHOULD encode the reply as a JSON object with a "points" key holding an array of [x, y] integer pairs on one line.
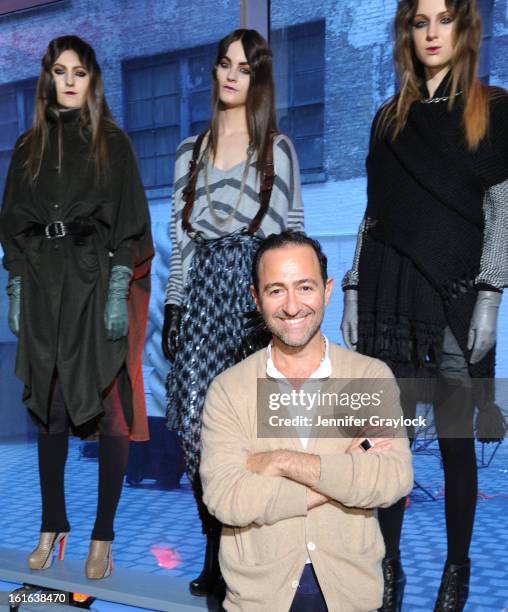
{"points": [[14, 293], [116, 318]]}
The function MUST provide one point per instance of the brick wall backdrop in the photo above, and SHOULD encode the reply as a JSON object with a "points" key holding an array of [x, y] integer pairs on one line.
{"points": [[117, 29], [359, 73]]}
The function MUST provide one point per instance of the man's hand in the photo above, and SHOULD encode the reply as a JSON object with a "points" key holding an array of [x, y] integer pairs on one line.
{"points": [[284, 463], [300, 467], [379, 445], [304, 468], [315, 499], [265, 464]]}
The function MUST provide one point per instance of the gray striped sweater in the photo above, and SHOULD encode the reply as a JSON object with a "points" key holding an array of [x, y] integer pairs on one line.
{"points": [[285, 210], [494, 259]]}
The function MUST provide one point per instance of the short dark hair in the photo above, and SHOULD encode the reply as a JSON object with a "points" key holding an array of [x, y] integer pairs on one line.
{"points": [[288, 238]]}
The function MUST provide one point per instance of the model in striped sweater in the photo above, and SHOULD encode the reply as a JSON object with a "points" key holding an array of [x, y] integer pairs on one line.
{"points": [[234, 185]]}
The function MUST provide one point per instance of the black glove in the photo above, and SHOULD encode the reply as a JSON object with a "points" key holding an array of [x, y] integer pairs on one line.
{"points": [[14, 293], [169, 336], [490, 424]]}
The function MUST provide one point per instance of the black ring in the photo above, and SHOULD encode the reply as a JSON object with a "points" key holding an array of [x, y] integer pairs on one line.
{"points": [[366, 444]]}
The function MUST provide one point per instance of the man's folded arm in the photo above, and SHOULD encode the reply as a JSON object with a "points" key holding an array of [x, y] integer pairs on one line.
{"points": [[365, 479], [232, 493]]}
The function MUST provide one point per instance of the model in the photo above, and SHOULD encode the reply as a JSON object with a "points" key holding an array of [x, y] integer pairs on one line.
{"points": [[234, 184], [432, 256], [75, 230]]}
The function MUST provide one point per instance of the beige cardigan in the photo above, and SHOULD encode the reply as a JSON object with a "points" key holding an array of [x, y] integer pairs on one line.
{"points": [[268, 532]]}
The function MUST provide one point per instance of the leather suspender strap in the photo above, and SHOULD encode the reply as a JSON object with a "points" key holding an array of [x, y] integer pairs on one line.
{"points": [[189, 190], [265, 190]]}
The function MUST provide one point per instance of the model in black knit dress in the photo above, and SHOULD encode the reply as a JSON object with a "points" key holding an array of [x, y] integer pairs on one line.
{"points": [[432, 257]]}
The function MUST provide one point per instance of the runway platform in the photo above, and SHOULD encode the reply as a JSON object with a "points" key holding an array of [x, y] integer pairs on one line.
{"points": [[124, 586]]}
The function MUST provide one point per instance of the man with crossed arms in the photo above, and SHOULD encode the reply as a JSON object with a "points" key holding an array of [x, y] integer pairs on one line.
{"points": [[300, 532]]}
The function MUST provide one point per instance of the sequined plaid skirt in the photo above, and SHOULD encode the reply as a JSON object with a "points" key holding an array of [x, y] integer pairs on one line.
{"points": [[213, 333]]}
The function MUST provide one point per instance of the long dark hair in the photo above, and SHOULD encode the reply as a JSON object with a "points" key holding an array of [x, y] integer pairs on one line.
{"points": [[464, 66], [260, 106], [95, 116]]}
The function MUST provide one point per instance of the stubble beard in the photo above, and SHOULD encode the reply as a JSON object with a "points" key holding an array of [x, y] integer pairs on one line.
{"points": [[286, 339]]}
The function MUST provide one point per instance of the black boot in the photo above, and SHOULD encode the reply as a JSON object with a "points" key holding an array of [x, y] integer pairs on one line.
{"points": [[454, 588], [210, 578], [394, 583]]}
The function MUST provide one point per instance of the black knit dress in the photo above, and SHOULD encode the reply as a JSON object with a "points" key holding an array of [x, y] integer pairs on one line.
{"points": [[424, 234]]}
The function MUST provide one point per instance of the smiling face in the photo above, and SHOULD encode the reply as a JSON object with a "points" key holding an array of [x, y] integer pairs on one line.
{"points": [[433, 35], [71, 80], [292, 296], [233, 76]]}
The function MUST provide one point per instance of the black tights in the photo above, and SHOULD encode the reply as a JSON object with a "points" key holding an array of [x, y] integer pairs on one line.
{"points": [[461, 489], [453, 415], [53, 444], [52, 450], [113, 456]]}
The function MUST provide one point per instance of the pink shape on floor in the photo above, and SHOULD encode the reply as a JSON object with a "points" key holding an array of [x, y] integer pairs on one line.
{"points": [[166, 557]]}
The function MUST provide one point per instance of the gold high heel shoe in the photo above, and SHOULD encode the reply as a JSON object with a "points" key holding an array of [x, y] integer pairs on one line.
{"points": [[99, 562], [42, 556]]}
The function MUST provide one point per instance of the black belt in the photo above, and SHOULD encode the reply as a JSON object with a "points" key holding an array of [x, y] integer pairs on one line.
{"points": [[59, 229]]}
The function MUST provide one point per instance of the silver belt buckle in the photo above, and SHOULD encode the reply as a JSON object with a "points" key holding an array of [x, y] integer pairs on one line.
{"points": [[59, 230]]}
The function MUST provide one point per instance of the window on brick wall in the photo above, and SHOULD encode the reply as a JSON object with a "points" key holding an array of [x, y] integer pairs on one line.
{"points": [[167, 98], [299, 66], [486, 8], [16, 111]]}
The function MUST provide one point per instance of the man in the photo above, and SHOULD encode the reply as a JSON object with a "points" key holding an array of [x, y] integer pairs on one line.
{"points": [[299, 530]]}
